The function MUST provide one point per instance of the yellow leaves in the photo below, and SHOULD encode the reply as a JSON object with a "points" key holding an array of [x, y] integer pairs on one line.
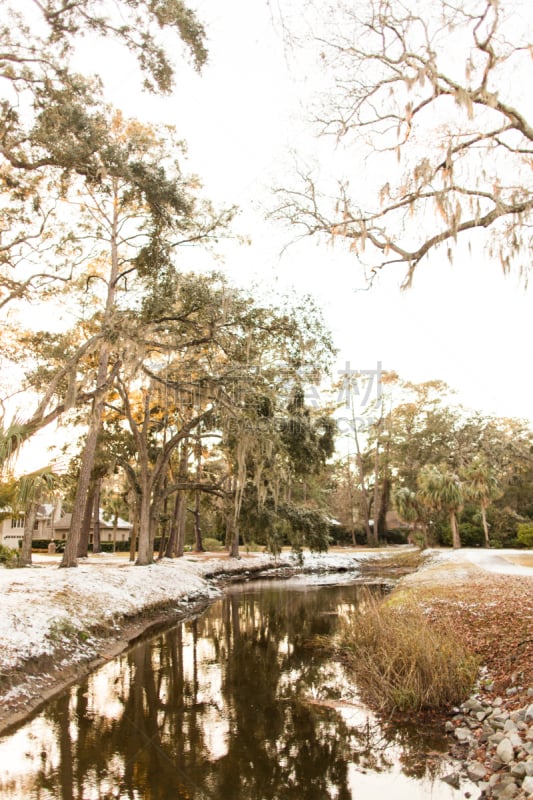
{"points": [[124, 131]]}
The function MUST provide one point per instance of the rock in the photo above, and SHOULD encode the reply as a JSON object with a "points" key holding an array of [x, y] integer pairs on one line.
{"points": [[515, 739], [496, 738], [463, 734], [449, 726], [499, 719], [529, 734], [472, 704], [527, 785], [505, 788], [528, 717], [504, 751], [529, 768], [529, 692], [510, 692], [497, 702], [518, 770], [509, 726], [453, 780], [477, 772]]}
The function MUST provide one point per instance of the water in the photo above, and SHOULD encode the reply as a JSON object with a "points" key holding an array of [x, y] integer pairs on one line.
{"points": [[235, 705]]}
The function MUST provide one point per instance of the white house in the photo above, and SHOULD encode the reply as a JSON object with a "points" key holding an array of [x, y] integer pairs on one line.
{"points": [[51, 524], [107, 529], [12, 526]]}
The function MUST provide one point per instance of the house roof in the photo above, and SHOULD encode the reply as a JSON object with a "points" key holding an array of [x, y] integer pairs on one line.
{"points": [[122, 524]]}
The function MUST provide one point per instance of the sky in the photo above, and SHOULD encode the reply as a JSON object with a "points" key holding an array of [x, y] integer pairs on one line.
{"points": [[243, 119]]}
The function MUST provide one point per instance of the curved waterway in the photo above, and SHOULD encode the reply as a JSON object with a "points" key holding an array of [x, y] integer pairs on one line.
{"points": [[233, 705]]}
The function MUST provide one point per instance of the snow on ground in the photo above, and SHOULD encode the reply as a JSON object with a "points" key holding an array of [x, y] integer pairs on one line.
{"points": [[498, 561], [43, 607]]}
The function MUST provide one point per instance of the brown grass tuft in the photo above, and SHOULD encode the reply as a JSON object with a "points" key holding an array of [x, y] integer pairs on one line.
{"points": [[403, 663]]}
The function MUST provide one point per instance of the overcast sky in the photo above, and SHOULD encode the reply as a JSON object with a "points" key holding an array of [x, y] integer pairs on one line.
{"points": [[243, 118]]}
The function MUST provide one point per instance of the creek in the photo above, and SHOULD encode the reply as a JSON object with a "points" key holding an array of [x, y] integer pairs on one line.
{"points": [[237, 704]]}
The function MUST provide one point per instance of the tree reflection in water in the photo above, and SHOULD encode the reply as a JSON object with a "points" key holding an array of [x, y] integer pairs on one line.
{"points": [[234, 705]]}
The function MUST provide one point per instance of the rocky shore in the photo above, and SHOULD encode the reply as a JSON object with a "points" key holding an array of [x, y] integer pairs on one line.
{"points": [[493, 745]]}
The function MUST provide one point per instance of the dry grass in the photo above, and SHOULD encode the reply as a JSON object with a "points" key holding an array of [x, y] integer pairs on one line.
{"points": [[403, 663]]}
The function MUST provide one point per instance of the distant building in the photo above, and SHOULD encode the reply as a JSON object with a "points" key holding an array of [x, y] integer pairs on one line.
{"points": [[51, 524], [107, 529], [12, 526]]}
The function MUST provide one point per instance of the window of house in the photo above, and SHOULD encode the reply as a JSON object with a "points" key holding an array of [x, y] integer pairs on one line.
{"points": [[17, 522]]}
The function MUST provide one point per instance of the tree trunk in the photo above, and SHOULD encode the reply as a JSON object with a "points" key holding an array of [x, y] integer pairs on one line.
{"points": [[371, 539], [29, 523], [145, 554], [383, 505], [83, 541], [182, 527], [81, 500], [134, 535], [97, 539], [485, 525], [198, 544], [176, 539], [165, 529], [425, 535], [89, 451], [377, 506], [199, 547], [234, 548], [456, 539]]}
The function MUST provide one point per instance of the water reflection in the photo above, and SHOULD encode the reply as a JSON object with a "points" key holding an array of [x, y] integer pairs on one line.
{"points": [[234, 705]]}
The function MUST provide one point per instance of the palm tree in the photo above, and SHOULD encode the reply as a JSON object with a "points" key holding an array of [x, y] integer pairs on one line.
{"points": [[481, 487], [410, 507], [441, 490], [31, 490], [11, 439], [28, 490]]}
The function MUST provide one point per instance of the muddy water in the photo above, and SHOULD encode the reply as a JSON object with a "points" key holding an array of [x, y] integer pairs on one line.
{"points": [[235, 705]]}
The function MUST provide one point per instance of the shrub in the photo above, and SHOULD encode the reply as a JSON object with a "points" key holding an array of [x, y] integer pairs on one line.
{"points": [[401, 662], [253, 547], [8, 557], [212, 545], [525, 534]]}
